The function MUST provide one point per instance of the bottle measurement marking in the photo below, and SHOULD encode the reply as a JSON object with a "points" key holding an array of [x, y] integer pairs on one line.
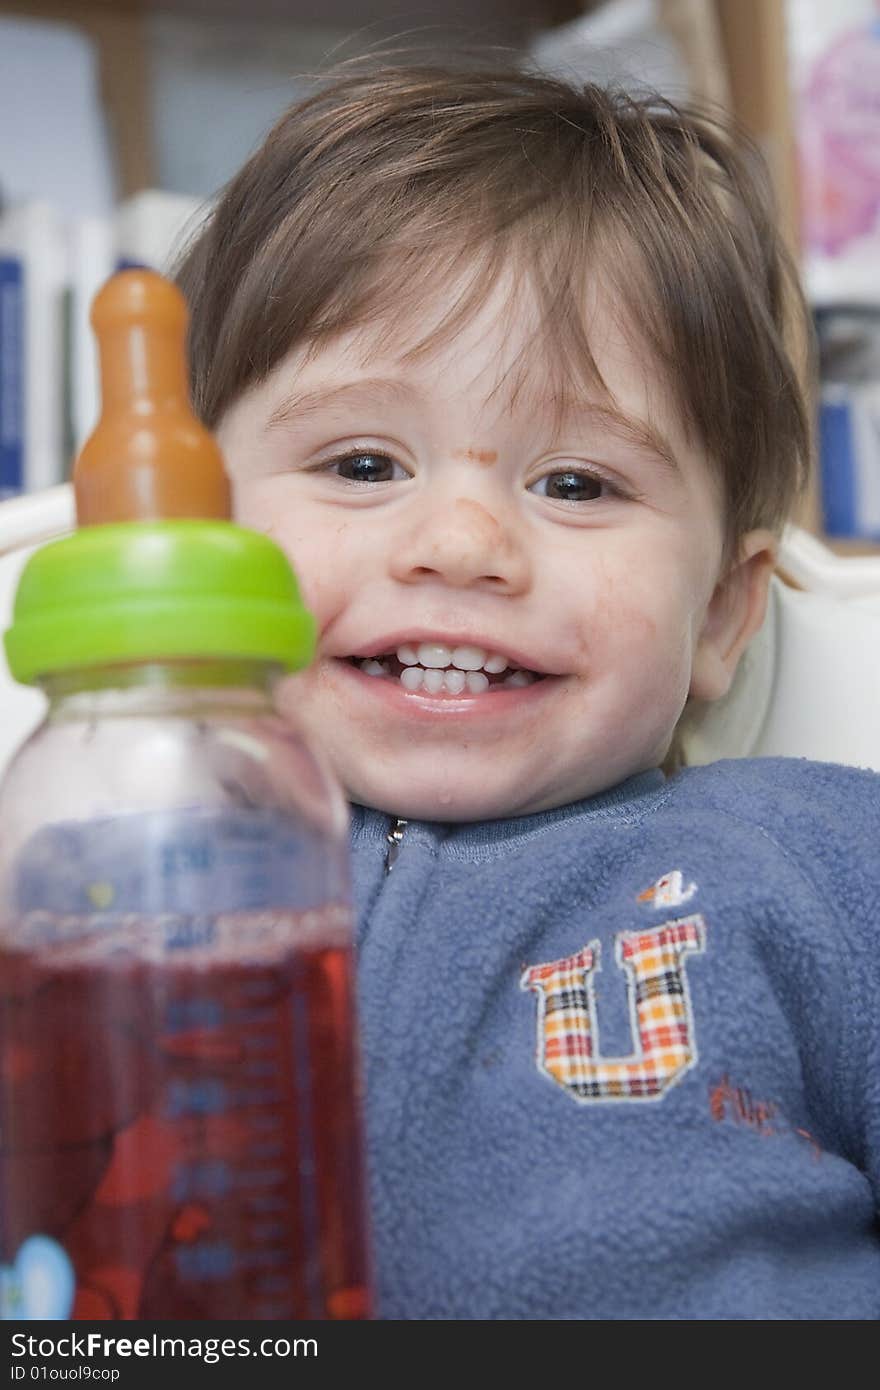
{"points": [[246, 1099], [263, 1243], [265, 1259], [258, 987], [274, 1150], [260, 1015], [266, 1122], [268, 1233], [257, 1171], [259, 1068], [267, 1203], [262, 1177]]}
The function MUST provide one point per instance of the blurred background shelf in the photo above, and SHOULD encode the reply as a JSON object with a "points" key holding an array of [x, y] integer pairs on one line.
{"points": [[186, 88], [734, 49]]}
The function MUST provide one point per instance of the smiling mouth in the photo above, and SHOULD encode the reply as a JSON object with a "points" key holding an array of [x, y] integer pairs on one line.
{"points": [[430, 668]]}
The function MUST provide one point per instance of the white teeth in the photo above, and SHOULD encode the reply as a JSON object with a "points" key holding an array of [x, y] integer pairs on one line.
{"points": [[454, 682], [435, 668], [432, 654], [468, 658], [412, 677], [435, 656], [495, 664], [477, 682], [422, 671], [434, 680]]}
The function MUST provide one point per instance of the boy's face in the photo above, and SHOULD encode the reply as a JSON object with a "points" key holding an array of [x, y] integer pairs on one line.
{"points": [[468, 529]]}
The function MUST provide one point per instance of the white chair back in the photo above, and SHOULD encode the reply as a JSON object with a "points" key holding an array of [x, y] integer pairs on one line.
{"points": [[809, 684]]}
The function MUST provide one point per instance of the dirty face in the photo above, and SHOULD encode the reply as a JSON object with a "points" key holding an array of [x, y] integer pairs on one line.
{"points": [[512, 606]]}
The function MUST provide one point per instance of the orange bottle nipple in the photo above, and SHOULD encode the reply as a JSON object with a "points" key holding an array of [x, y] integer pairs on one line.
{"points": [[149, 458]]}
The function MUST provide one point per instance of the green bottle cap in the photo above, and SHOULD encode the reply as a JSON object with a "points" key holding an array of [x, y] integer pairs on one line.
{"points": [[157, 591]]}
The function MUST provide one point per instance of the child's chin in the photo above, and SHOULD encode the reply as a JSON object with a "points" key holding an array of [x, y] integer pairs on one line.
{"points": [[442, 804]]}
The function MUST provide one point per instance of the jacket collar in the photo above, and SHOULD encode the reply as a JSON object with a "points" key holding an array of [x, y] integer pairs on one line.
{"points": [[625, 803]]}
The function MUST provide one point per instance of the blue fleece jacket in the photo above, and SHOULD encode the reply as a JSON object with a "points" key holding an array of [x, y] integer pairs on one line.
{"points": [[623, 1058]]}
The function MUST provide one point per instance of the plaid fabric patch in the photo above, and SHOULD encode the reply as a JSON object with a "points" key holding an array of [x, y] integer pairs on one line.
{"points": [[660, 1013]]}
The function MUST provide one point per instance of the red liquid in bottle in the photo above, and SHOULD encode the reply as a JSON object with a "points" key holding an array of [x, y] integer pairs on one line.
{"points": [[185, 1131]]}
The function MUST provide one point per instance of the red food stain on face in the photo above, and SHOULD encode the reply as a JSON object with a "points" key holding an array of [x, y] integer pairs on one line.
{"points": [[481, 523], [485, 457]]}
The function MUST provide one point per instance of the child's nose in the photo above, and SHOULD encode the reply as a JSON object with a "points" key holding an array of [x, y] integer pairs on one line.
{"points": [[464, 544]]}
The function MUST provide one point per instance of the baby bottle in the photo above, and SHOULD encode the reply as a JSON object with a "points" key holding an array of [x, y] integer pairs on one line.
{"points": [[179, 1119]]}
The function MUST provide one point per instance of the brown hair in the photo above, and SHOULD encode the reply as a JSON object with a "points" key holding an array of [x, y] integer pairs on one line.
{"points": [[387, 177]]}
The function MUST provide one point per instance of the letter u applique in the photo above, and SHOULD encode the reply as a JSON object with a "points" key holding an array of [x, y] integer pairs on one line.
{"points": [[659, 1006]]}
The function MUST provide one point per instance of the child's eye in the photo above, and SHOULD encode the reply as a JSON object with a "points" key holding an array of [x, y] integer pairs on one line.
{"points": [[572, 486], [365, 466]]}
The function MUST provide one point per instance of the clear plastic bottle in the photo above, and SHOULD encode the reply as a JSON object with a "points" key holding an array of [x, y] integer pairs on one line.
{"points": [[180, 1132]]}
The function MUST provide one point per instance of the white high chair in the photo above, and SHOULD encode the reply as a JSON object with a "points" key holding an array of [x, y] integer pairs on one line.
{"points": [[808, 685]]}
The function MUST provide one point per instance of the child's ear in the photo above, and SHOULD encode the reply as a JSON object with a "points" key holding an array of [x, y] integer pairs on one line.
{"points": [[735, 612]]}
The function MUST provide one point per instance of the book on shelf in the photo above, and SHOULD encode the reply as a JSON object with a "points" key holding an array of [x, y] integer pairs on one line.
{"points": [[51, 268], [32, 279]]}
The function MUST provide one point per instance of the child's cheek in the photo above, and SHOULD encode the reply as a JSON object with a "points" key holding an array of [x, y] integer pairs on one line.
{"points": [[638, 630], [256, 504], [323, 592], [618, 609]]}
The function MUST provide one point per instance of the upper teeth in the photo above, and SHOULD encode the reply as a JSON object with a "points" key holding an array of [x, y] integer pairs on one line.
{"points": [[433, 655]]}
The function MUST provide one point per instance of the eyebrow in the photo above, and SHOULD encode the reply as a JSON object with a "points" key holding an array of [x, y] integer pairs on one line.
{"points": [[628, 428], [362, 394], [368, 392]]}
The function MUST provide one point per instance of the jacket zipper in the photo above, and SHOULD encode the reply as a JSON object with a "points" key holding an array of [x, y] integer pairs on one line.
{"points": [[394, 840]]}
